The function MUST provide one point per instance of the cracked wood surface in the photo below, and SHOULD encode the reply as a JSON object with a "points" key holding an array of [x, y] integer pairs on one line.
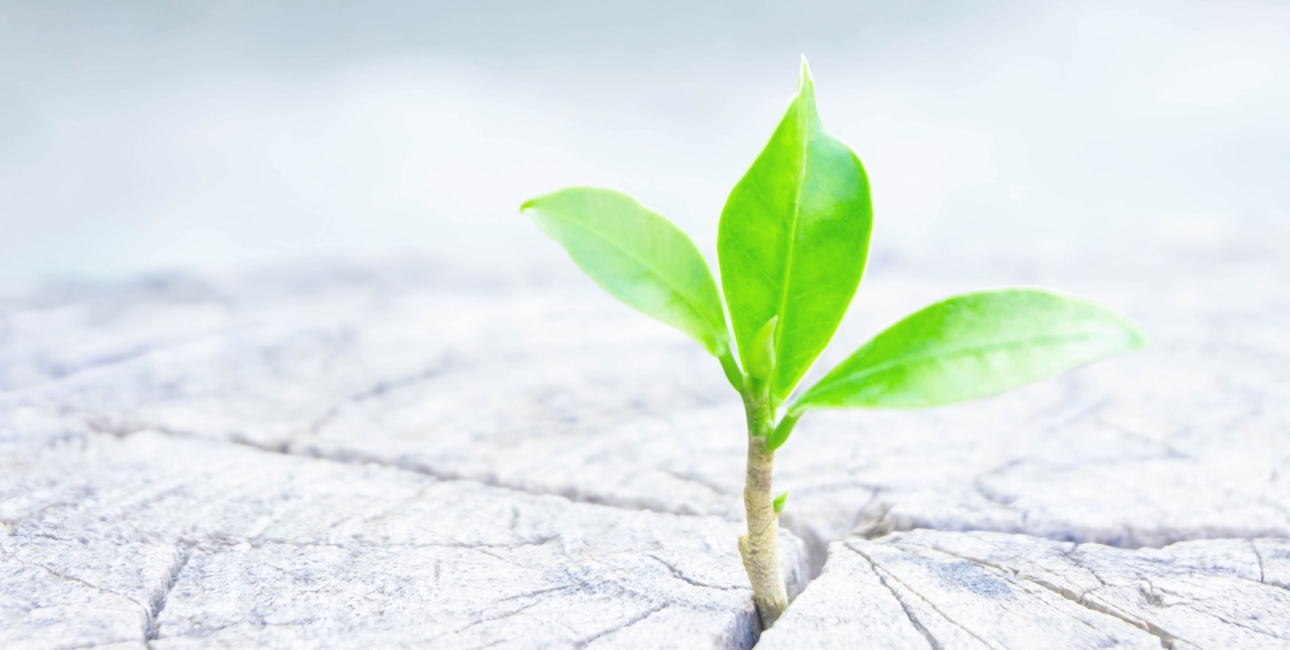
{"points": [[931, 590], [543, 386], [550, 387], [185, 543]]}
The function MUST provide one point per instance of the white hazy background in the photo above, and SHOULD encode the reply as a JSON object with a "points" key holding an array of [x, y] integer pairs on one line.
{"points": [[148, 136]]}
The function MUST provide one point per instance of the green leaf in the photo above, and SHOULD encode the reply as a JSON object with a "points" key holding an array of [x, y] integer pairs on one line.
{"points": [[793, 240], [637, 255], [974, 345], [778, 503]]}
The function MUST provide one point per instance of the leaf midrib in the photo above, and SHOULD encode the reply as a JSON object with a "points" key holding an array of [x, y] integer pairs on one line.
{"points": [[964, 351], [805, 125]]}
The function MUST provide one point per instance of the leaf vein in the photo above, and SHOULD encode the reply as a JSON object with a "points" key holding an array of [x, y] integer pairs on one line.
{"points": [[956, 352]]}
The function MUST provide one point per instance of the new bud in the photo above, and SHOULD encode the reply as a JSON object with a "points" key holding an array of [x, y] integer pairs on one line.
{"points": [[761, 356]]}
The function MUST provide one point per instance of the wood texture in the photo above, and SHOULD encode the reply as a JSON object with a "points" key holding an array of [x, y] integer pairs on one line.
{"points": [[187, 543], [932, 589], [533, 390]]}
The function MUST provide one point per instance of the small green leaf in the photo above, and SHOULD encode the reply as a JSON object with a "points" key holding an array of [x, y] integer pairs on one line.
{"points": [[974, 345], [793, 240], [778, 503], [761, 355], [639, 256], [779, 435]]}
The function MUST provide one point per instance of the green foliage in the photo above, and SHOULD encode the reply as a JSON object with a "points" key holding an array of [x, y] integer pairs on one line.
{"points": [[778, 503], [792, 244], [793, 240], [637, 255], [973, 345]]}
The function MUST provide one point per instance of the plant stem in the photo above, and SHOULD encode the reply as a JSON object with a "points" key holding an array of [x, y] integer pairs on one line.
{"points": [[760, 547]]}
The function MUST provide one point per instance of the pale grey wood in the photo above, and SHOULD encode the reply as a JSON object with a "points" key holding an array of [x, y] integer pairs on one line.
{"points": [[188, 543], [1274, 561], [538, 384], [994, 590], [846, 607], [554, 388]]}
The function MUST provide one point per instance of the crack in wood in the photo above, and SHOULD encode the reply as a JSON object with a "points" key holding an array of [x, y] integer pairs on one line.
{"points": [[151, 628]]}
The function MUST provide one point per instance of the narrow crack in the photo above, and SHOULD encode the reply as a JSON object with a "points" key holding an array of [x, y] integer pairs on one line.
{"points": [[873, 526], [909, 613], [490, 644], [1243, 626], [259, 542], [929, 603], [537, 592], [684, 578], [378, 388], [500, 616], [206, 630], [96, 644], [55, 372], [1166, 639], [572, 494], [1255, 547], [1066, 593], [158, 603], [1074, 559], [579, 645], [356, 457], [69, 578], [350, 456]]}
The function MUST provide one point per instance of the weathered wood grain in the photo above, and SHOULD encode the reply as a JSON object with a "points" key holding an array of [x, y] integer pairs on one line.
{"points": [[931, 589], [186, 543], [551, 387], [347, 392]]}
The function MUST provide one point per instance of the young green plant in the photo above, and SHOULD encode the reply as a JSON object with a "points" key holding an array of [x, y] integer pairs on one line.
{"points": [[792, 244]]}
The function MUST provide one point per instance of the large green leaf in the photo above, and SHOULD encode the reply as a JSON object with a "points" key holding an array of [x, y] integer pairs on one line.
{"points": [[637, 255], [973, 345], [793, 240]]}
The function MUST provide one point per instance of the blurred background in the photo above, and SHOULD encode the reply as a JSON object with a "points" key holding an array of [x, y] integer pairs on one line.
{"points": [[144, 136]]}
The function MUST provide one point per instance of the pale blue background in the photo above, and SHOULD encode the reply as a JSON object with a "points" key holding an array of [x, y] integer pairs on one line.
{"points": [[146, 136]]}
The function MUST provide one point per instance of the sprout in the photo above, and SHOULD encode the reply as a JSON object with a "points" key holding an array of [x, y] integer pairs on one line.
{"points": [[792, 244]]}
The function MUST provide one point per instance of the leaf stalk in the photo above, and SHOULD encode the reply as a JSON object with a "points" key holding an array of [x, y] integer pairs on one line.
{"points": [[731, 368], [785, 427]]}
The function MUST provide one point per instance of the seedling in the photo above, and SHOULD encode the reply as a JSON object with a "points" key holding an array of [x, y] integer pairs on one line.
{"points": [[792, 245]]}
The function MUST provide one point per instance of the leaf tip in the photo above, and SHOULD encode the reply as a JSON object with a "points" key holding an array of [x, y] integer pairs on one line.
{"points": [[805, 97], [804, 77], [778, 503], [1137, 336]]}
